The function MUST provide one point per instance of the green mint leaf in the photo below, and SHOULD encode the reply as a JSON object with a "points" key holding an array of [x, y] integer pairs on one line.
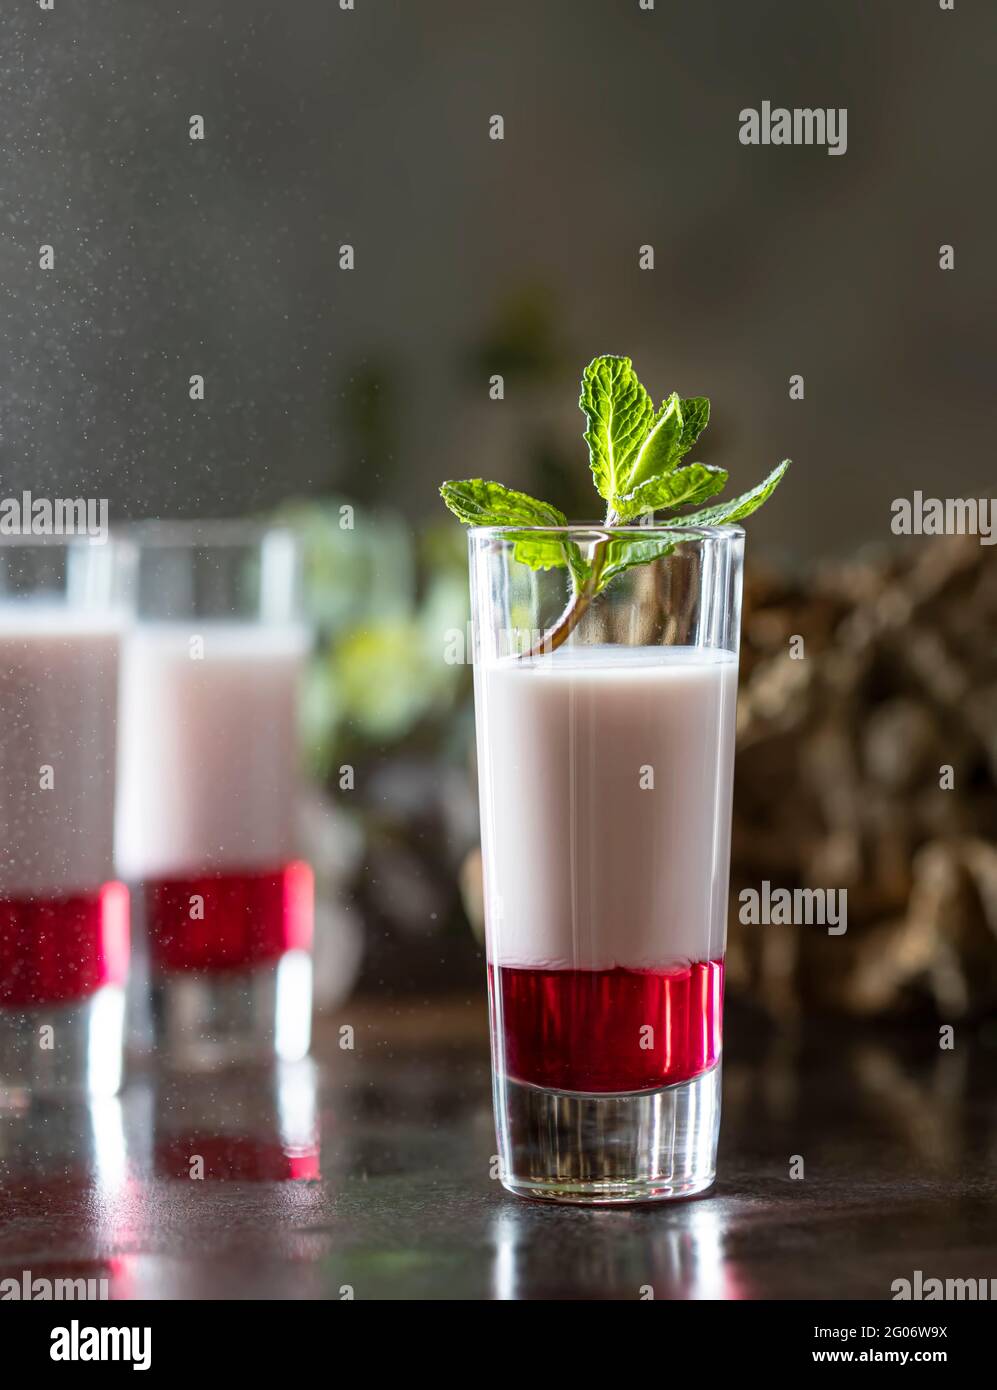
{"points": [[624, 552], [682, 486], [695, 418], [659, 452], [550, 552], [676, 427], [736, 508], [479, 503], [619, 413]]}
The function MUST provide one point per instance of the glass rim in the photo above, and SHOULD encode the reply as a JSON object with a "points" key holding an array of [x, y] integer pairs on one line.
{"points": [[180, 533], [595, 530]]}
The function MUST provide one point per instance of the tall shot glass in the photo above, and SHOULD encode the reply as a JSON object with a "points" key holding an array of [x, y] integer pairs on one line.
{"points": [[209, 780], [64, 920], [605, 734]]}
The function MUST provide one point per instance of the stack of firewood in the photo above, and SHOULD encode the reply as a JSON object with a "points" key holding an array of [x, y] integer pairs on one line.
{"points": [[867, 761]]}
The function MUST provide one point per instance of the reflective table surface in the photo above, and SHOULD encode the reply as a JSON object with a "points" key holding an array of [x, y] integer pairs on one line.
{"points": [[366, 1172]]}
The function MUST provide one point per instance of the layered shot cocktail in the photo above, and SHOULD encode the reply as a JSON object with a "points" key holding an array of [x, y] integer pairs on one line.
{"points": [[209, 781], [605, 770], [64, 919], [605, 684]]}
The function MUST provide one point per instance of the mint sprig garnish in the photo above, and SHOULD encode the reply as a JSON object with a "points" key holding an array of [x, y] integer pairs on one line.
{"points": [[635, 453]]}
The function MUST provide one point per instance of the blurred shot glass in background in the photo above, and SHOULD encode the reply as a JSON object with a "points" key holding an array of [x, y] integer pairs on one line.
{"points": [[64, 922], [209, 791]]}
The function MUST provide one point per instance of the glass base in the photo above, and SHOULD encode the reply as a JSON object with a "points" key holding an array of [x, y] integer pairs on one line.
{"points": [[62, 1050], [205, 1019], [644, 1146]]}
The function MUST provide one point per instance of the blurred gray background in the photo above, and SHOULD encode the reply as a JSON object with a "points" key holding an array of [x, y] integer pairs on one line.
{"points": [[370, 126]]}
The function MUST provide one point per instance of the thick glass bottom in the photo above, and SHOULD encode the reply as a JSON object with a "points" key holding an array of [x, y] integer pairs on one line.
{"points": [[62, 1050], [202, 1019], [646, 1146]]}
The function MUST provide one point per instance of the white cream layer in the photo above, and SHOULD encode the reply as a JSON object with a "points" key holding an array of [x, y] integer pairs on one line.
{"points": [[58, 708], [209, 758], [605, 785]]}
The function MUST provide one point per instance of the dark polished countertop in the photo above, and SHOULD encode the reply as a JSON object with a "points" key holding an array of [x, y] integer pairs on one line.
{"points": [[368, 1170]]}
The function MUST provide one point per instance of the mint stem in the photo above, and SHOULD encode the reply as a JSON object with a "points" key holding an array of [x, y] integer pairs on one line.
{"points": [[579, 602]]}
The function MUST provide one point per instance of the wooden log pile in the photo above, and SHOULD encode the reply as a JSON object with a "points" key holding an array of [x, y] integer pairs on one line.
{"points": [[867, 761]]}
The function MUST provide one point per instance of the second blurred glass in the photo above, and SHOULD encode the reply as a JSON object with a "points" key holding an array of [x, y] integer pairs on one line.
{"points": [[209, 782]]}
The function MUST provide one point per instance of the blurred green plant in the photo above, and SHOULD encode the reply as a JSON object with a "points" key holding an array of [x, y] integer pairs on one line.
{"points": [[386, 603]]}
